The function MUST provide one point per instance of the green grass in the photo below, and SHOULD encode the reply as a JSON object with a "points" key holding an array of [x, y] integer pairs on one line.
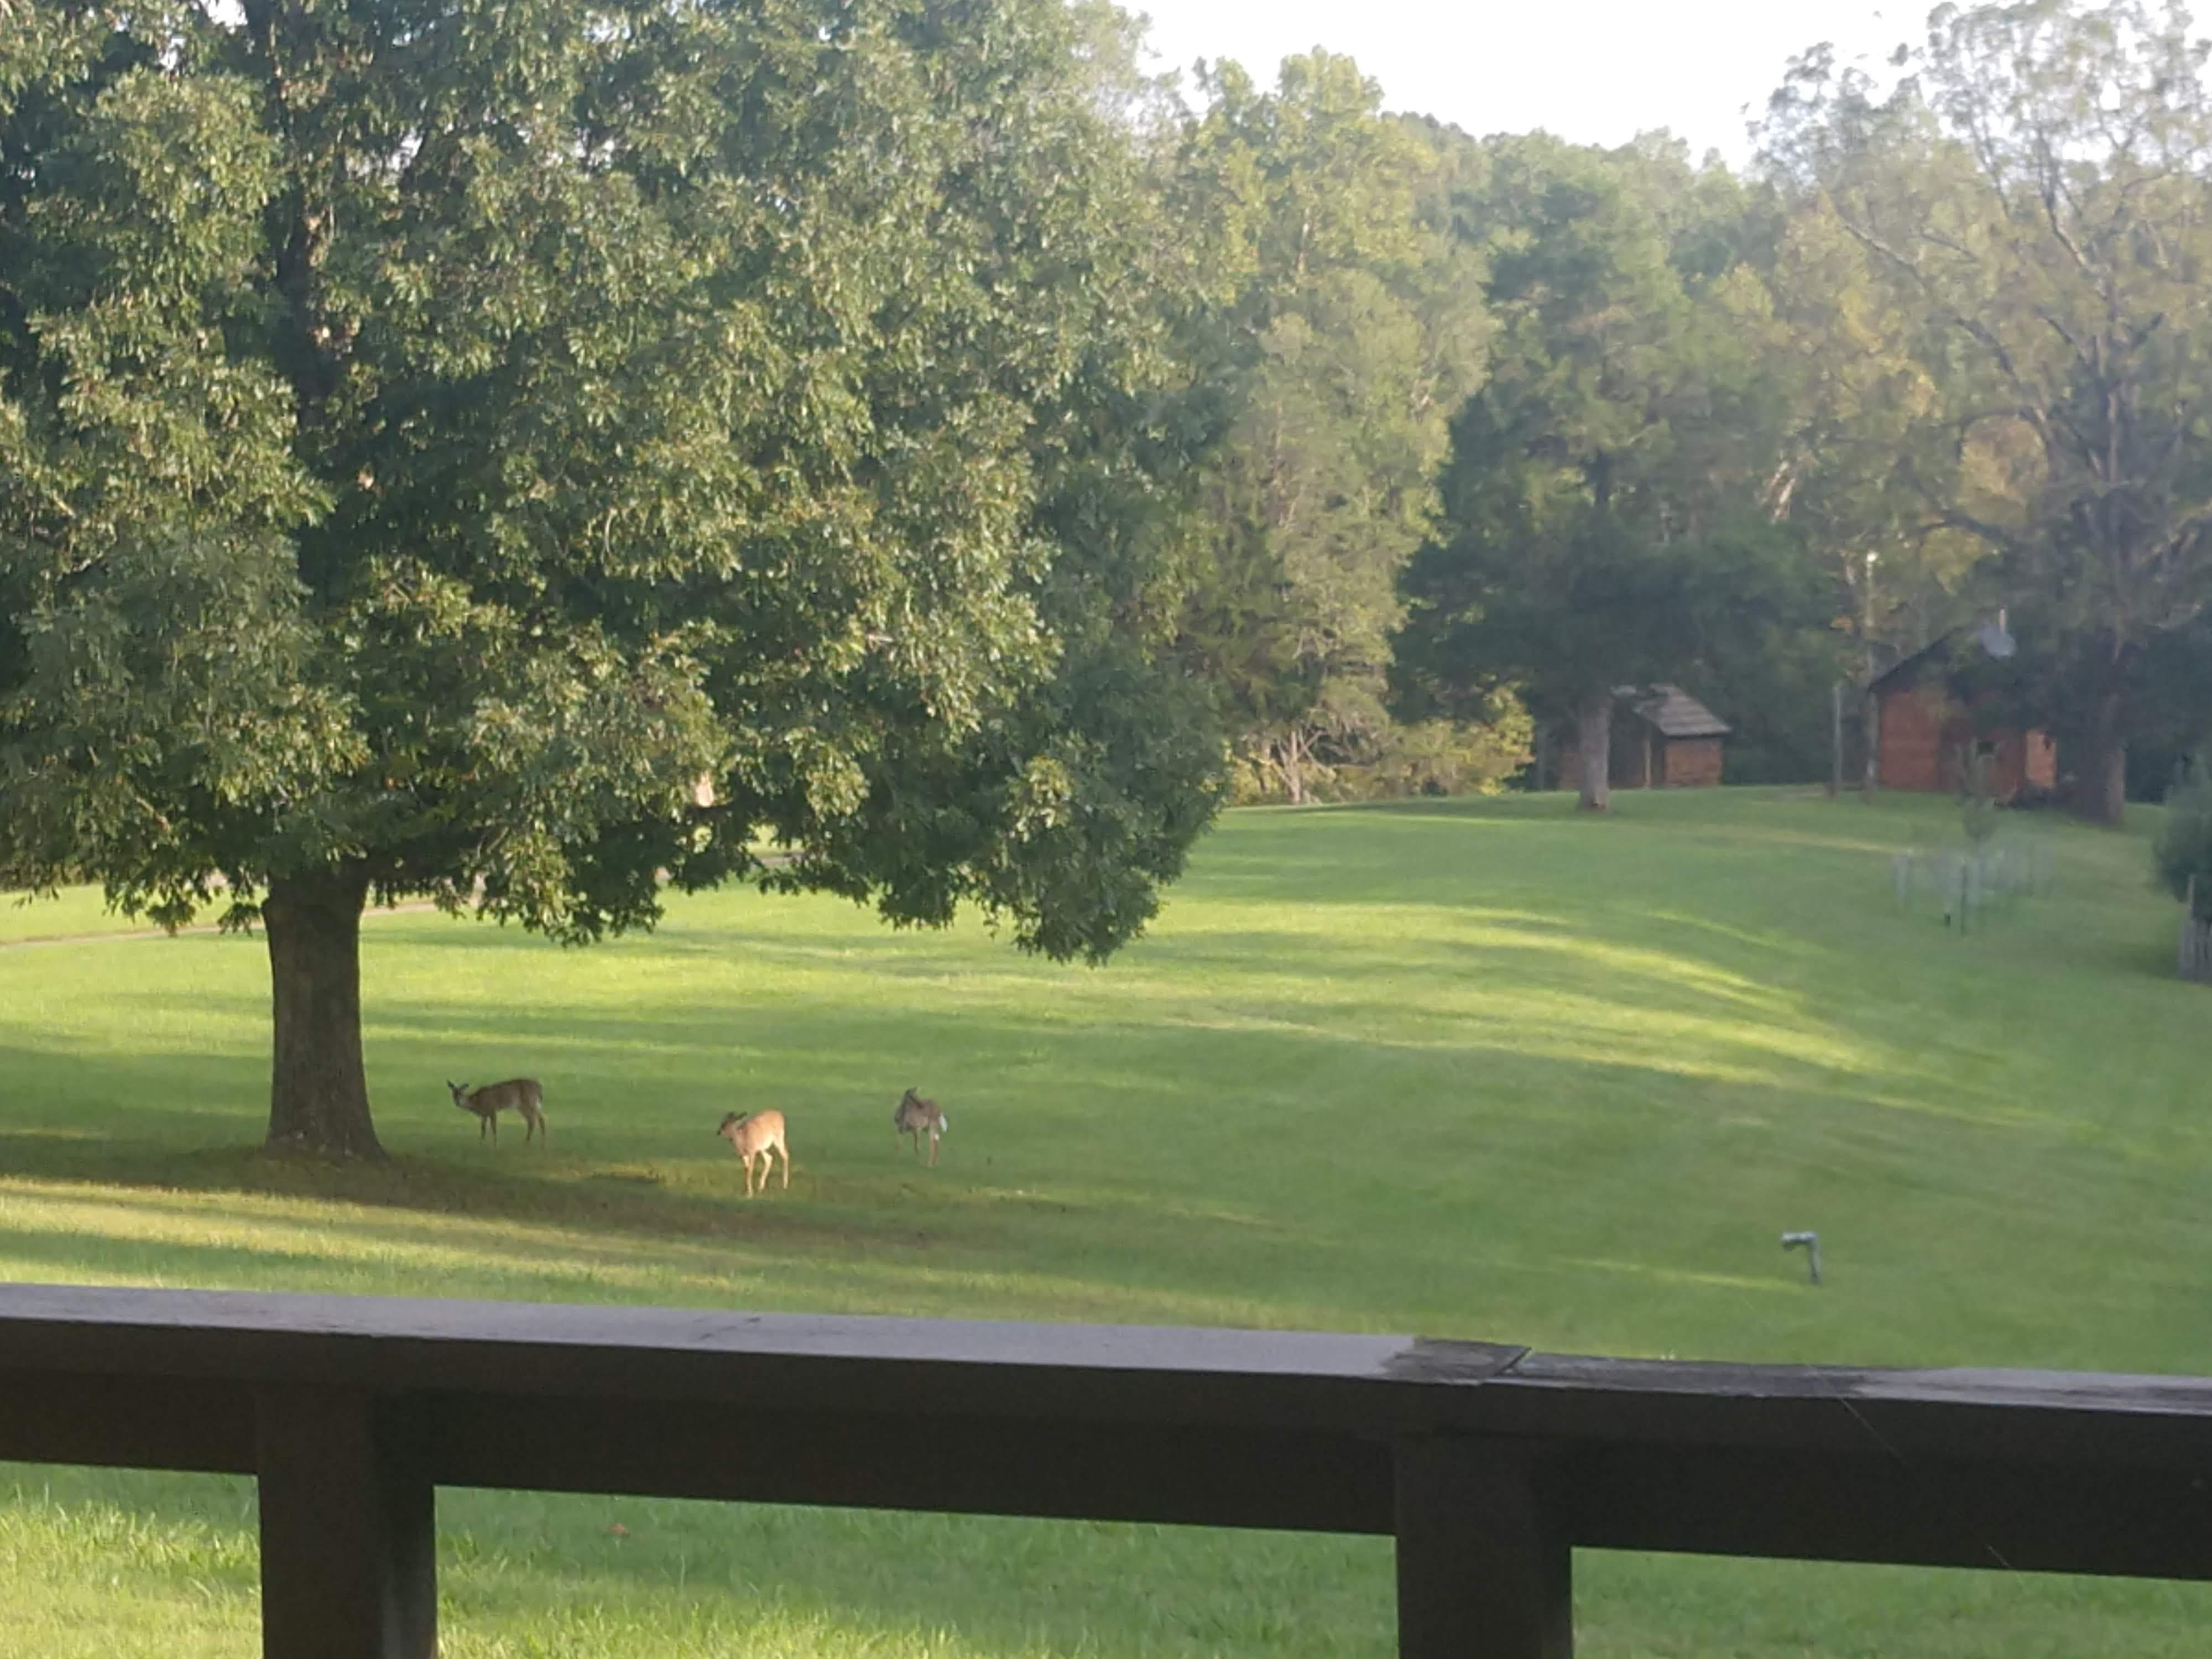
{"points": [[72, 913], [1481, 1070]]}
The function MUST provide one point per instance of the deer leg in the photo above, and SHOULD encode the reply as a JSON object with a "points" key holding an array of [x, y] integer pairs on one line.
{"points": [[932, 1149], [786, 1150], [482, 1123]]}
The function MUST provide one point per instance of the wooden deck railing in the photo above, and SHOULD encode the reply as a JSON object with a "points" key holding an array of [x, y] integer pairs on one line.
{"points": [[1489, 1464]]}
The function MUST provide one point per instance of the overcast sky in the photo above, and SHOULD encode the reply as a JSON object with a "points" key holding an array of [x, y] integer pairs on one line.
{"points": [[1594, 71]]}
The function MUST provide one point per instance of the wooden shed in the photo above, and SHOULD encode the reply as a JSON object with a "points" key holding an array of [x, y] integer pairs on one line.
{"points": [[1662, 739], [1930, 722]]}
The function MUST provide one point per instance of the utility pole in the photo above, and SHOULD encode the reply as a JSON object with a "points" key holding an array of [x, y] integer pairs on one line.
{"points": [[1870, 714]]}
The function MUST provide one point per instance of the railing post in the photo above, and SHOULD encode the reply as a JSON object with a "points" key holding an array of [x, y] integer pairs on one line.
{"points": [[1484, 1572], [349, 1531]]}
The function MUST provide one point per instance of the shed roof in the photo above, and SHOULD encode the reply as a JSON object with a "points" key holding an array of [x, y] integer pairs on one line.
{"points": [[1906, 668], [1675, 712], [1994, 639]]}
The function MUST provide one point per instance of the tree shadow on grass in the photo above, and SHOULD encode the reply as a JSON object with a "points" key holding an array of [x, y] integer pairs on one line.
{"points": [[596, 1200]]}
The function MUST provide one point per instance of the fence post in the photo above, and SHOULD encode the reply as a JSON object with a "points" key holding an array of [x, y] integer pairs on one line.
{"points": [[1836, 738], [349, 1531], [1484, 1569]]}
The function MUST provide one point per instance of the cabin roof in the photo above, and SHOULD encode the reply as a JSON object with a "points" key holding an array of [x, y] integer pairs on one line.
{"points": [[1992, 636], [1675, 711]]}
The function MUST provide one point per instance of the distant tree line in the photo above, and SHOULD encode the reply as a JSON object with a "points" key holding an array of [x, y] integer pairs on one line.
{"points": [[1946, 348], [525, 452]]}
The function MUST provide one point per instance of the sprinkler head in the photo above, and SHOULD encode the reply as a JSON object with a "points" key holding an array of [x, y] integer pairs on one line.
{"points": [[1808, 1243]]}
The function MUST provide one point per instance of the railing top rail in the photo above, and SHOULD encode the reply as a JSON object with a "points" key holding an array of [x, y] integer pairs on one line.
{"points": [[1378, 1382], [2040, 1470], [909, 1367], [64, 1321], [2129, 1394]]}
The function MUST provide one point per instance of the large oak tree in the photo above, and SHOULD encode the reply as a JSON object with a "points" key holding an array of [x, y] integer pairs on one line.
{"points": [[436, 435]]}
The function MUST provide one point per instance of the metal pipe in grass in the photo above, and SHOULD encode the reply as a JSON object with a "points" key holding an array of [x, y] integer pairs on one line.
{"points": [[1808, 1243]]}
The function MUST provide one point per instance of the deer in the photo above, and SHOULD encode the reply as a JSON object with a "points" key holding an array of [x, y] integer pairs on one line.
{"points": [[521, 1094], [757, 1135], [918, 1116]]}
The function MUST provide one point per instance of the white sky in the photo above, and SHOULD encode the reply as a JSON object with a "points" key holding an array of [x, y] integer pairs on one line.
{"points": [[1593, 71]]}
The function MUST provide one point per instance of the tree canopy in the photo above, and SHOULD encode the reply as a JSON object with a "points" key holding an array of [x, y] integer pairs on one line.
{"points": [[507, 452], [1609, 504], [2031, 209], [1339, 326]]}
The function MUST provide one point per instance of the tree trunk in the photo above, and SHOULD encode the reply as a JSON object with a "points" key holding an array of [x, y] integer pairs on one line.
{"points": [[1835, 740], [1870, 731], [318, 1095], [2099, 791], [1594, 753], [1293, 775]]}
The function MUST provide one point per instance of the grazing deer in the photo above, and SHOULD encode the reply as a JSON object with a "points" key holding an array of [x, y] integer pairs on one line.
{"points": [[757, 1135], [520, 1094], [917, 1116]]}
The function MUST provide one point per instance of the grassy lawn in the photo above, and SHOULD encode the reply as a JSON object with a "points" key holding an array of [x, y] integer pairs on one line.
{"points": [[1471, 1069], [76, 912]]}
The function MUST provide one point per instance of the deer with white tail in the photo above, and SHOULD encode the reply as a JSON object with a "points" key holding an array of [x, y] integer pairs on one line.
{"points": [[917, 1115]]}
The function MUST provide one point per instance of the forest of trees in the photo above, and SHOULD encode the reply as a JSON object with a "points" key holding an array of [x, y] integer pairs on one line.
{"points": [[523, 452], [1498, 424]]}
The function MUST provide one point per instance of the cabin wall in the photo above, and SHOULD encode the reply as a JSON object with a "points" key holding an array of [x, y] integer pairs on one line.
{"points": [[1694, 762], [1642, 758], [1909, 750], [1924, 737]]}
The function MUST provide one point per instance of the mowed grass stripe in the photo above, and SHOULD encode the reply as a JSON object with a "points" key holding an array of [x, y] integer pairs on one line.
{"points": [[1478, 1069]]}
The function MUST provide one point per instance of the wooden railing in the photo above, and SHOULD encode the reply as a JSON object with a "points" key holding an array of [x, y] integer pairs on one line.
{"points": [[1490, 1465]]}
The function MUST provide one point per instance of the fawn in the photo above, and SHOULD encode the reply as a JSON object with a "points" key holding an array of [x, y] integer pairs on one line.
{"points": [[917, 1116], [757, 1135], [522, 1094]]}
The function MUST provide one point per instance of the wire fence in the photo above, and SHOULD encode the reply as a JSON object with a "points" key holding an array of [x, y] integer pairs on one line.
{"points": [[1968, 887]]}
